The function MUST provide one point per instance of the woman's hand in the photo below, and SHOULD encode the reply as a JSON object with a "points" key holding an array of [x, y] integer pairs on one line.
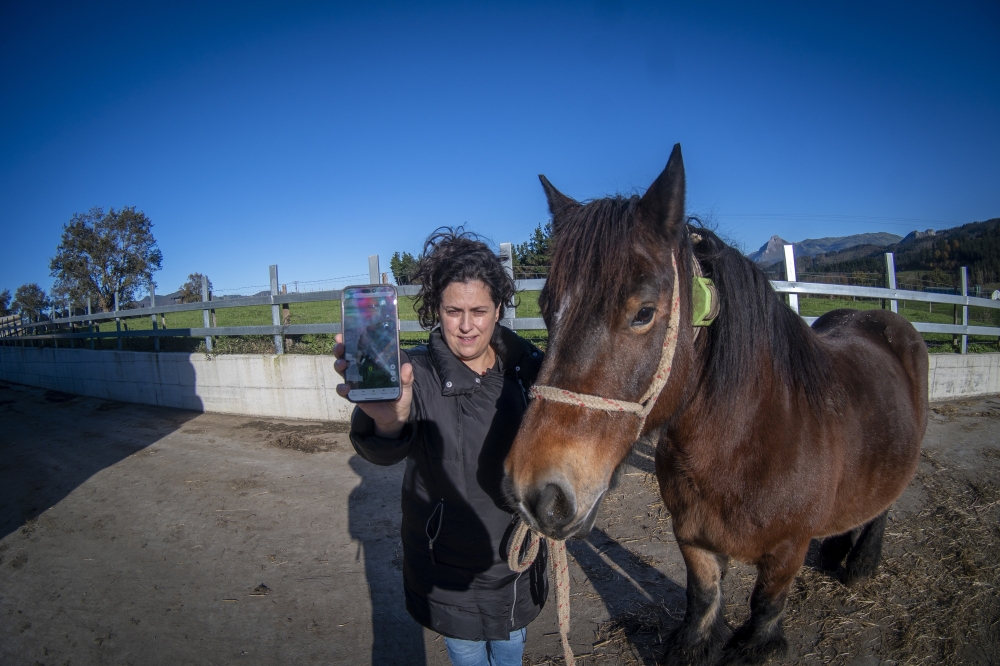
{"points": [[389, 417]]}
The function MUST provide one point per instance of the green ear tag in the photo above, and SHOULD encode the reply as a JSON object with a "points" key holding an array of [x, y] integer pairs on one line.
{"points": [[702, 290]]}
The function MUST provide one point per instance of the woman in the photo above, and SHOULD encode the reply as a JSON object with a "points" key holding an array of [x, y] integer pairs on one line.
{"points": [[463, 398]]}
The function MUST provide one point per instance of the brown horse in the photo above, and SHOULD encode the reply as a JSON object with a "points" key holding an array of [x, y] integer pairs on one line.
{"points": [[769, 432]]}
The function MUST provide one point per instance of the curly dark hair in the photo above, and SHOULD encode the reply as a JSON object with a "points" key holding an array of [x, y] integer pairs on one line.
{"points": [[456, 255]]}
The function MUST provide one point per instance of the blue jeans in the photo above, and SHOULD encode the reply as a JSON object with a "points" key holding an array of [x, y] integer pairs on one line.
{"points": [[487, 653]]}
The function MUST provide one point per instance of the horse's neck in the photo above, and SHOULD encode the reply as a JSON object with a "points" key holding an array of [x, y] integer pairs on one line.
{"points": [[756, 379]]}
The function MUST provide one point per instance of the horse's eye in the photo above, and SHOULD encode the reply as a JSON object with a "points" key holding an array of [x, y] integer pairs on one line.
{"points": [[643, 316]]}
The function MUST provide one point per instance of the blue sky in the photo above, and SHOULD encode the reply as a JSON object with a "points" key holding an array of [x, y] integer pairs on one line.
{"points": [[313, 134]]}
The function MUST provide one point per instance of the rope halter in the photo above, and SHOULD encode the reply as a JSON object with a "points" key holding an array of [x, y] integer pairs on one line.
{"points": [[645, 405]]}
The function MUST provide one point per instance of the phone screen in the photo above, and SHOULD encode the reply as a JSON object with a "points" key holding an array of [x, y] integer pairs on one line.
{"points": [[371, 342]]}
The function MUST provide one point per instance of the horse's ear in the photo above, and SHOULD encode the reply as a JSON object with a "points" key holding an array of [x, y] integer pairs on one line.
{"points": [[663, 203], [559, 204]]}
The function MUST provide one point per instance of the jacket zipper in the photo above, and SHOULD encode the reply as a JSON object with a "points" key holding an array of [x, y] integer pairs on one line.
{"points": [[439, 509], [513, 604], [524, 393]]}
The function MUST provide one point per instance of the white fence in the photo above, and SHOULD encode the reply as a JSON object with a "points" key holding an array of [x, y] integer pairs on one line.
{"points": [[82, 327]]}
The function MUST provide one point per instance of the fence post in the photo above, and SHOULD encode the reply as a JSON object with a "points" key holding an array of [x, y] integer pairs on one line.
{"points": [[72, 326], [507, 259], [152, 304], [965, 308], [373, 269], [890, 275], [279, 340], [286, 311], [90, 325], [118, 324], [793, 299], [52, 325], [205, 313]]}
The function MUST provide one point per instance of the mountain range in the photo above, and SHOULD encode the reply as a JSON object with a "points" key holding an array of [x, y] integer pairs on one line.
{"points": [[773, 250], [975, 245]]}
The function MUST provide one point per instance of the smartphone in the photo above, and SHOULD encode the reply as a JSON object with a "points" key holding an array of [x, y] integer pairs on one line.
{"points": [[370, 319]]}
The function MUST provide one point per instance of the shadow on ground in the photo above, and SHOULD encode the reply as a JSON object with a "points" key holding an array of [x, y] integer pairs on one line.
{"points": [[37, 472], [396, 637]]}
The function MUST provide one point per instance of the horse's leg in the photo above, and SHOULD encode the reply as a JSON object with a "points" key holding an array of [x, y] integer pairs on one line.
{"points": [[762, 634], [834, 549], [703, 631], [866, 553]]}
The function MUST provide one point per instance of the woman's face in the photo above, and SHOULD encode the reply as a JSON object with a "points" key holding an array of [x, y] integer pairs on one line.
{"points": [[468, 317]]}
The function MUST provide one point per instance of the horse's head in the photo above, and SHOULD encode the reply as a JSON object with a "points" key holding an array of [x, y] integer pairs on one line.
{"points": [[613, 298]]}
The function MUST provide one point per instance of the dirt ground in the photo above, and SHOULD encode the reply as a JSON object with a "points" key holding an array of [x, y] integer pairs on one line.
{"points": [[139, 535]]}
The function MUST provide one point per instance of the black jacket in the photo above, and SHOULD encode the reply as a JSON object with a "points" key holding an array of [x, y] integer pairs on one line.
{"points": [[456, 523]]}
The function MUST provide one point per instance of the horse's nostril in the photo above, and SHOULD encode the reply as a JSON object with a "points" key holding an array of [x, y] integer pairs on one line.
{"points": [[553, 508]]}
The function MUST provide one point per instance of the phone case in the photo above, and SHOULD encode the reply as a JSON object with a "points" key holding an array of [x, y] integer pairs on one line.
{"points": [[370, 321]]}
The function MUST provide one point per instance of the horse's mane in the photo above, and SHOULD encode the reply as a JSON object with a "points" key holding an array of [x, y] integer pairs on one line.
{"points": [[595, 241], [752, 319]]}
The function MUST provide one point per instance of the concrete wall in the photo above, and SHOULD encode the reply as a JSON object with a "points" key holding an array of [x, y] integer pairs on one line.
{"points": [[299, 387], [288, 386], [960, 376]]}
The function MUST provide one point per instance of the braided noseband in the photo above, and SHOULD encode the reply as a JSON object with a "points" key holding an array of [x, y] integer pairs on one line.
{"points": [[648, 399]]}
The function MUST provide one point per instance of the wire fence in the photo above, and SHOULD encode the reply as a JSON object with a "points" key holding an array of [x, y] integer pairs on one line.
{"points": [[523, 272], [289, 286]]}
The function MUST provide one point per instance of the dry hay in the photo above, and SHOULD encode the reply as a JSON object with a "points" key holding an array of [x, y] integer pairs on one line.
{"points": [[933, 600], [950, 410], [636, 635], [300, 443], [322, 428], [294, 436], [934, 597]]}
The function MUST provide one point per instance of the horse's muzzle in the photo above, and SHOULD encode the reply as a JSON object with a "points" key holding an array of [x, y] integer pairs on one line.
{"points": [[553, 510]]}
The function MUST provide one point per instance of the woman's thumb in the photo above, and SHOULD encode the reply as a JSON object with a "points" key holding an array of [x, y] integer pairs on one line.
{"points": [[406, 376]]}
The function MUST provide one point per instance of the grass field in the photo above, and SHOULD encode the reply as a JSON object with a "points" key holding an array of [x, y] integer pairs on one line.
{"points": [[527, 306]]}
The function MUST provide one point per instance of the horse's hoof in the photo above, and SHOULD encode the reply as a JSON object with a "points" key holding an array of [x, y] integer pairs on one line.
{"points": [[686, 650], [852, 577], [691, 655], [746, 648]]}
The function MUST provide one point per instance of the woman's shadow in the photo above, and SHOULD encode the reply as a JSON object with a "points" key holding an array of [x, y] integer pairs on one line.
{"points": [[373, 519]]}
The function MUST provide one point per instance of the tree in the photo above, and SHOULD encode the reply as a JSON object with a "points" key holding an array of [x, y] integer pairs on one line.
{"points": [[104, 254], [534, 256], [403, 267], [5, 303], [191, 290], [938, 278], [30, 300]]}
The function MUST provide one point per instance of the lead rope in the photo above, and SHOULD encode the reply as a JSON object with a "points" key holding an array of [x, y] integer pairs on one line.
{"points": [[560, 572]]}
